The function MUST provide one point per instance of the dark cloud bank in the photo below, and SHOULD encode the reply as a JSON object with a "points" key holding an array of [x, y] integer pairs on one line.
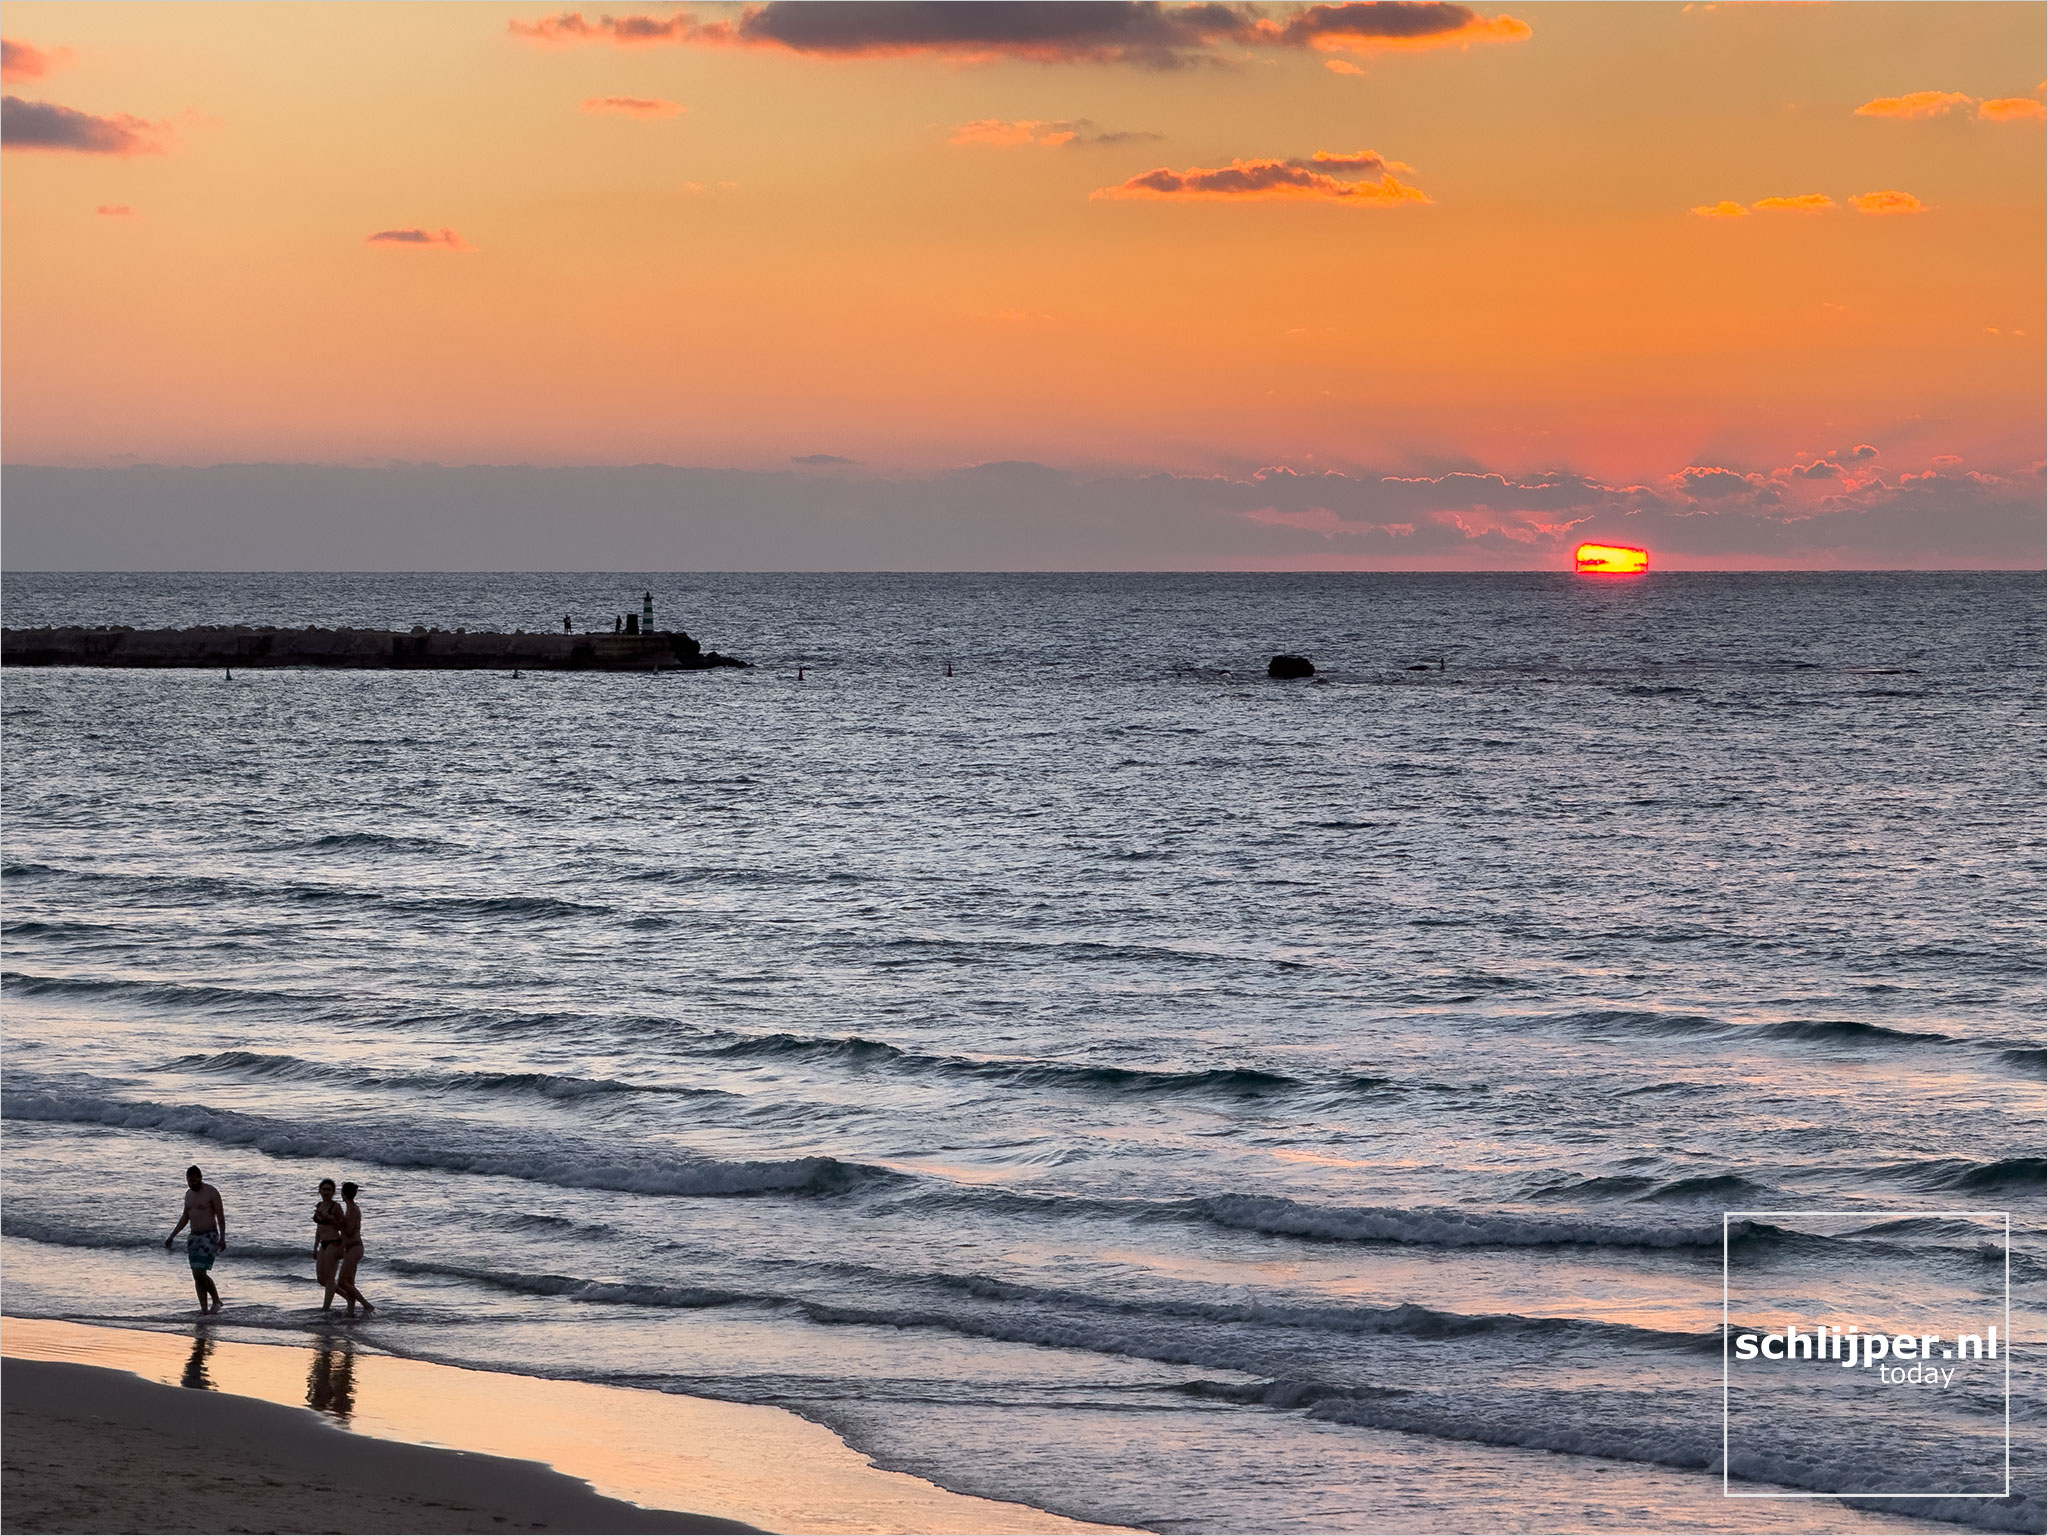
{"points": [[1010, 516]]}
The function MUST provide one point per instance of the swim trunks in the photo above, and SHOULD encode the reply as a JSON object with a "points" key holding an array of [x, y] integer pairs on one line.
{"points": [[200, 1248]]}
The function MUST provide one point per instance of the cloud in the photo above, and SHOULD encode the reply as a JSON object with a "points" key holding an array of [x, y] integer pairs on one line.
{"points": [[1316, 179], [1004, 133], [1890, 200], [1342, 67], [2013, 109], [633, 106], [569, 27], [23, 61], [45, 125], [1363, 26], [1147, 33], [1859, 453], [1804, 202], [445, 239], [822, 460], [1915, 104], [1722, 210], [115, 211]]}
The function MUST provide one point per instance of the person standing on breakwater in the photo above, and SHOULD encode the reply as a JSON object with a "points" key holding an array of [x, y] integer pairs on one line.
{"points": [[351, 1254], [327, 1244], [209, 1221]]}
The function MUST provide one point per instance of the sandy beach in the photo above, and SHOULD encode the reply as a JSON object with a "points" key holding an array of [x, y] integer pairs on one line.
{"points": [[90, 1449], [113, 1429]]}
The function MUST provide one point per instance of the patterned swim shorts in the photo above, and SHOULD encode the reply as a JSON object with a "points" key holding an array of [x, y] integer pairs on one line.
{"points": [[200, 1248]]}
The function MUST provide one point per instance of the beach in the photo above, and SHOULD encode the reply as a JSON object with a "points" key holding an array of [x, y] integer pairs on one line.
{"points": [[88, 1449], [329, 1437]]}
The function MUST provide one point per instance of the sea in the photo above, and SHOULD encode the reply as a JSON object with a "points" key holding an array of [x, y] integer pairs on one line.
{"points": [[1006, 1026]]}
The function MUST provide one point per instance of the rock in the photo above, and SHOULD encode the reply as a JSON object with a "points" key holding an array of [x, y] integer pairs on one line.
{"points": [[1421, 666], [1290, 666]]}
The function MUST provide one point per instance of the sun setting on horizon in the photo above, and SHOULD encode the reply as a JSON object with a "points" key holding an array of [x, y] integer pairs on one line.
{"points": [[1610, 560]]}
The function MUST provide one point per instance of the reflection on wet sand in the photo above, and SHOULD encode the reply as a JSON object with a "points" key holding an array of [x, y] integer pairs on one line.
{"points": [[759, 1465], [331, 1382], [195, 1365]]}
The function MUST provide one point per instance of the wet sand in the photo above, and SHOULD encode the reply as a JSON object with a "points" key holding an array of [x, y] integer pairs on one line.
{"points": [[217, 1436]]}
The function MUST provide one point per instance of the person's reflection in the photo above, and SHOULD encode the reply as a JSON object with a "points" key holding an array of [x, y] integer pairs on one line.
{"points": [[195, 1368], [331, 1383]]}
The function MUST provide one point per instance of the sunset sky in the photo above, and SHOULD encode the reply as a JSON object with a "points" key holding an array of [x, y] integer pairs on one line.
{"points": [[1379, 285]]}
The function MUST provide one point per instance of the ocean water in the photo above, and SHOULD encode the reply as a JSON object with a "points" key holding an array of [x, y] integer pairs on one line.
{"points": [[1100, 1077]]}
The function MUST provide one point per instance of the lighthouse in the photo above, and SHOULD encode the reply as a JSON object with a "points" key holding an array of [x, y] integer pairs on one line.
{"points": [[647, 613]]}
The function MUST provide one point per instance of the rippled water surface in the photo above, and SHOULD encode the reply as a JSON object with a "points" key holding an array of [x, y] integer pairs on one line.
{"points": [[1100, 1077]]}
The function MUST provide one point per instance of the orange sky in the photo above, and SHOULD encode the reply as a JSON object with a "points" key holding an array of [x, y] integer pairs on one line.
{"points": [[1519, 239]]}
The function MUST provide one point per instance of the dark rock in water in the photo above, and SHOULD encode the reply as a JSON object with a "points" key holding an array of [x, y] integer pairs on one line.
{"points": [[1420, 666], [1290, 666]]}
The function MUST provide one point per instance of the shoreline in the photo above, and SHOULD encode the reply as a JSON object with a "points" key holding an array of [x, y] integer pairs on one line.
{"points": [[105, 1429]]}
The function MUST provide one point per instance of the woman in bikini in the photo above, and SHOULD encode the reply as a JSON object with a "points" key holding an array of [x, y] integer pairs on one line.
{"points": [[327, 1242], [351, 1253]]}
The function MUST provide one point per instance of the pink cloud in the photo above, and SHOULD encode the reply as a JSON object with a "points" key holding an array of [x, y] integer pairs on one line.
{"points": [[633, 106], [115, 211], [420, 239], [23, 61], [569, 27]]}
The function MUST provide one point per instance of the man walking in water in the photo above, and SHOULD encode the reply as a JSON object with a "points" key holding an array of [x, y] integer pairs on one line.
{"points": [[209, 1236]]}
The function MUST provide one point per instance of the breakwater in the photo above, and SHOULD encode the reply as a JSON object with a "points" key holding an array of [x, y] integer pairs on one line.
{"points": [[420, 649]]}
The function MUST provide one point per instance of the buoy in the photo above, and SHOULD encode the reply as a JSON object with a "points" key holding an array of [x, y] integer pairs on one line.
{"points": [[799, 674], [231, 674]]}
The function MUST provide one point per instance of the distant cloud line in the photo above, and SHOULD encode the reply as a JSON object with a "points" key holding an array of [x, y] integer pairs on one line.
{"points": [[1834, 509]]}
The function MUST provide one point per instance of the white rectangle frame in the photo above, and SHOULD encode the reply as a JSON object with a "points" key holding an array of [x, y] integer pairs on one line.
{"points": [[2004, 1216]]}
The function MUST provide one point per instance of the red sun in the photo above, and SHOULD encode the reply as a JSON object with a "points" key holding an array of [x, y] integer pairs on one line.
{"points": [[1611, 560]]}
